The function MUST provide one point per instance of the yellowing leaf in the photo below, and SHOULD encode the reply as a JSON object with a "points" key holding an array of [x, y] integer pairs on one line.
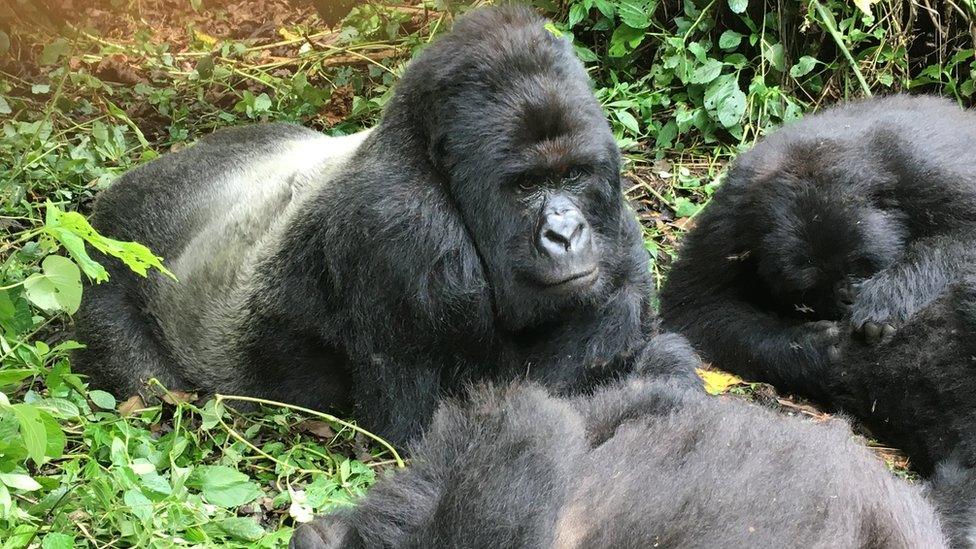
{"points": [[205, 38], [865, 5], [288, 35], [717, 382]]}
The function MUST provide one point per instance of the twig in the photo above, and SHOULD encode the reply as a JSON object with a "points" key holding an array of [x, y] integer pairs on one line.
{"points": [[827, 19]]}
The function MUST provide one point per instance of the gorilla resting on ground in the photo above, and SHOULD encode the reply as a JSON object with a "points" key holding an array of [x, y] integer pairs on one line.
{"points": [[479, 232], [639, 464], [837, 262]]}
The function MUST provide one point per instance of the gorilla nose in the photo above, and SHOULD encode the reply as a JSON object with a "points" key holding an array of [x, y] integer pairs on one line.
{"points": [[564, 233]]}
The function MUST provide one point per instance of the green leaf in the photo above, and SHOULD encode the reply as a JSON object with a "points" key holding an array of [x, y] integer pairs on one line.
{"points": [[577, 13], [4, 106], [54, 51], [733, 108], [628, 121], [738, 6], [776, 56], [57, 540], [15, 314], [624, 40], [32, 431], [636, 13], [139, 504], [9, 377], [103, 400], [223, 486], [242, 528], [58, 287], [38, 89], [707, 72], [729, 40], [136, 256], [19, 481], [803, 66]]}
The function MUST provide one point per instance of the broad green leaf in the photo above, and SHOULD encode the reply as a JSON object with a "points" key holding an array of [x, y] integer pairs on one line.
{"points": [[102, 399], [729, 40], [223, 486], [19, 481], [139, 504], [9, 377], [57, 287], [54, 51], [577, 13], [738, 6], [32, 430], [57, 540], [707, 72], [803, 66], [636, 13], [242, 528], [624, 39], [136, 256], [628, 121]]}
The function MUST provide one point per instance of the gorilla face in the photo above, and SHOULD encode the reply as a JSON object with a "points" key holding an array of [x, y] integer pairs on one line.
{"points": [[529, 160], [546, 219], [819, 240]]}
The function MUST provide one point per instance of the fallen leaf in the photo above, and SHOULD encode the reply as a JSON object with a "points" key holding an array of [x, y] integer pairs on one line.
{"points": [[717, 382], [131, 405], [320, 429]]}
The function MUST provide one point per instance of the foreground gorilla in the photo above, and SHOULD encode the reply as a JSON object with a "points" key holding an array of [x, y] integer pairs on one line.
{"points": [[479, 232], [638, 464]]}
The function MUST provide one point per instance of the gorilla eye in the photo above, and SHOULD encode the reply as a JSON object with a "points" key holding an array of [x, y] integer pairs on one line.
{"points": [[526, 184], [574, 174]]}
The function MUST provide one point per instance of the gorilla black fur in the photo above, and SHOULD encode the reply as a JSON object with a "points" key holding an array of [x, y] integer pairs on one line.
{"points": [[637, 464], [837, 262], [479, 232], [863, 214]]}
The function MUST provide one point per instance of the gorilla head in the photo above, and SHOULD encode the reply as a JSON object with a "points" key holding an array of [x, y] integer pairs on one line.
{"points": [[524, 150], [822, 229]]}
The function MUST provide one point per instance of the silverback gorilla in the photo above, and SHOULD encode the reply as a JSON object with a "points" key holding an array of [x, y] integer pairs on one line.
{"points": [[637, 464], [479, 232], [837, 262]]}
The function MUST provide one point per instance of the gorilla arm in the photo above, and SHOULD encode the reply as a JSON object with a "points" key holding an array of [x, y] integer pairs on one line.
{"points": [[929, 266], [719, 309]]}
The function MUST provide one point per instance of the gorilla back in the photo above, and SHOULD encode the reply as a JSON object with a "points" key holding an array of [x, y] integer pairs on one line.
{"points": [[479, 232], [637, 464]]}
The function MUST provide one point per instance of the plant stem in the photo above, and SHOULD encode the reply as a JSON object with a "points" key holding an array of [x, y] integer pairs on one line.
{"points": [[827, 19]]}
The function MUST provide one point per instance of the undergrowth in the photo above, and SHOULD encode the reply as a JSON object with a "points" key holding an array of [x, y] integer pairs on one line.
{"points": [[89, 90]]}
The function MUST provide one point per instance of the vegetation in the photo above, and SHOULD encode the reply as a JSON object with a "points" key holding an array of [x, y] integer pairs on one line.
{"points": [[91, 89]]}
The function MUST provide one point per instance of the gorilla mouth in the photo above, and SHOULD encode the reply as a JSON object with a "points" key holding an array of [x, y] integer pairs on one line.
{"points": [[581, 278]]}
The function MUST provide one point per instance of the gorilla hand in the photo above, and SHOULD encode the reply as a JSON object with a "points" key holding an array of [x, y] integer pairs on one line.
{"points": [[821, 338]]}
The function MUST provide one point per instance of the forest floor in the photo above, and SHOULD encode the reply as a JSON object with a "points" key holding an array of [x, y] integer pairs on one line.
{"points": [[89, 89]]}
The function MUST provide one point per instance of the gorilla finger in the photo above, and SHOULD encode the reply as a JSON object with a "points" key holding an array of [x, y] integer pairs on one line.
{"points": [[872, 332], [887, 331]]}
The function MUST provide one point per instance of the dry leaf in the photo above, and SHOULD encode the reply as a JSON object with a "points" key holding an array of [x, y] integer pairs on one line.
{"points": [[129, 406], [176, 397], [717, 382], [320, 429]]}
